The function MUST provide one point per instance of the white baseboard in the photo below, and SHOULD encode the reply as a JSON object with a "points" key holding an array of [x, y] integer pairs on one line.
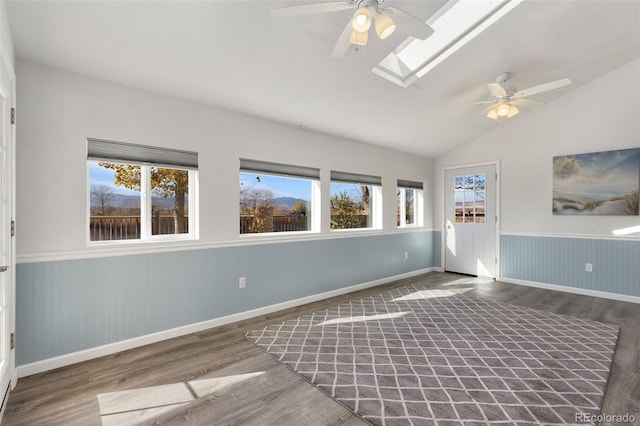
{"points": [[575, 290], [87, 354]]}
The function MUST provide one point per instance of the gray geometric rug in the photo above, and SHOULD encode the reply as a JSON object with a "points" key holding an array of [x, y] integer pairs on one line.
{"points": [[411, 356]]}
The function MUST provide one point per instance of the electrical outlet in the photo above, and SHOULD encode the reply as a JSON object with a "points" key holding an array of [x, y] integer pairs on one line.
{"points": [[242, 282], [588, 267], [406, 255]]}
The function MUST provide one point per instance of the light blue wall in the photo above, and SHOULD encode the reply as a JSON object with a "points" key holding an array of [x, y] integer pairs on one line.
{"points": [[561, 261], [437, 249], [71, 305]]}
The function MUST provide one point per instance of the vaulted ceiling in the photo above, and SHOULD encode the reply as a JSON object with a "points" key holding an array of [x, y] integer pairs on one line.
{"points": [[235, 55]]}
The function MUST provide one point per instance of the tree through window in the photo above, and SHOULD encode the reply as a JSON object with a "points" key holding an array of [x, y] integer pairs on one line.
{"points": [[355, 201], [277, 197], [130, 201]]}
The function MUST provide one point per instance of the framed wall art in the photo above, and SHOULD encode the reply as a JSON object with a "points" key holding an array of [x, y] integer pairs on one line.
{"points": [[597, 183]]}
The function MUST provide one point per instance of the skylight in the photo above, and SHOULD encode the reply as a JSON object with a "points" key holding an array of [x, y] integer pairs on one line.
{"points": [[455, 24]]}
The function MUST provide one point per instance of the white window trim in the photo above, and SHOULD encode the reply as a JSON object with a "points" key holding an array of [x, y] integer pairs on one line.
{"points": [[418, 202], [315, 207], [145, 210], [376, 209], [316, 200]]}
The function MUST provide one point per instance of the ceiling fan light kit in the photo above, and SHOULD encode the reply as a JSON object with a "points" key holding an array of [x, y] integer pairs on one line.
{"points": [[361, 24], [361, 20], [503, 109], [384, 26], [493, 113], [358, 38], [511, 111], [503, 95], [367, 13]]}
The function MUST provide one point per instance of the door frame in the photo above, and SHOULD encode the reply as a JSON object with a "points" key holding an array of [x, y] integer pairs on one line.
{"points": [[443, 228], [8, 84]]}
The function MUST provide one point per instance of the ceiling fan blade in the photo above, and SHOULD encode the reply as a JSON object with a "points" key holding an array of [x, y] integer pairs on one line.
{"points": [[310, 9], [542, 88], [523, 101], [497, 90], [411, 23], [344, 41]]}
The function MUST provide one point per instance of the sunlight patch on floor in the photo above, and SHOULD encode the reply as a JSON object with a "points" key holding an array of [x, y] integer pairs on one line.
{"points": [[470, 281], [432, 294], [204, 387], [138, 406], [347, 320], [138, 417]]}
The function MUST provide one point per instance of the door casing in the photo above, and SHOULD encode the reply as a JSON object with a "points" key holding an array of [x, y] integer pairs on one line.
{"points": [[7, 95], [443, 235]]}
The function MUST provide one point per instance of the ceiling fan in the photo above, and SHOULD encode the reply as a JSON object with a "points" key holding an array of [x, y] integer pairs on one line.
{"points": [[368, 13], [505, 97]]}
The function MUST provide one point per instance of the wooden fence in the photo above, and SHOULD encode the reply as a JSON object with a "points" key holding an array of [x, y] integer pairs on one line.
{"points": [[105, 228], [280, 224]]}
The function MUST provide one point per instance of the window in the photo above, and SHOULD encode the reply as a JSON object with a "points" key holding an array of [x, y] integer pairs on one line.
{"points": [[355, 201], [140, 193], [278, 198], [469, 198], [409, 199]]}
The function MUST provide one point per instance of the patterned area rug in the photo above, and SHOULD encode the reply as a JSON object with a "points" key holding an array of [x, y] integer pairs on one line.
{"points": [[427, 357]]}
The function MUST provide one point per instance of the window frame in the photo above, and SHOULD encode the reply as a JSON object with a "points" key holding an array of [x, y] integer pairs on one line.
{"points": [[375, 182], [475, 207], [107, 151], [418, 202], [286, 171]]}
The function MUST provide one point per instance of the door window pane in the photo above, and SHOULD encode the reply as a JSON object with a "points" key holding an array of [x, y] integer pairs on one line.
{"points": [[459, 183], [469, 198]]}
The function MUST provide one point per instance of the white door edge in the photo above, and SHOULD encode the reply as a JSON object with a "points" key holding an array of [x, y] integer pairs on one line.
{"points": [[8, 87]]}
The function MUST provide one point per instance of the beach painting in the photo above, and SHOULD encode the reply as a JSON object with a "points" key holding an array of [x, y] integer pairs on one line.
{"points": [[597, 183]]}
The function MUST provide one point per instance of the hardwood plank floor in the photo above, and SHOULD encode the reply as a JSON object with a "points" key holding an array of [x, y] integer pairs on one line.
{"points": [[232, 382]]}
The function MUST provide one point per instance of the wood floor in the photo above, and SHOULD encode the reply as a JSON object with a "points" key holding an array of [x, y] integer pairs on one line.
{"points": [[216, 377]]}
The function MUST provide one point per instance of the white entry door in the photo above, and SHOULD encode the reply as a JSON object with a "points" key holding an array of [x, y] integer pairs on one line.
{"points": [[6, 239], [470, 220]]}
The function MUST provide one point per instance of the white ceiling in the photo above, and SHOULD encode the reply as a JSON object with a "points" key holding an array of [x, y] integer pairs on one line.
{"points": [[234, 55]]}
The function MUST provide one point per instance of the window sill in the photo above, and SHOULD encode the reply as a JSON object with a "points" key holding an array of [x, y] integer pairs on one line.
{"points": [[276, 235], [157, 240], [410, 226], [129, 248], [356, 230]]}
